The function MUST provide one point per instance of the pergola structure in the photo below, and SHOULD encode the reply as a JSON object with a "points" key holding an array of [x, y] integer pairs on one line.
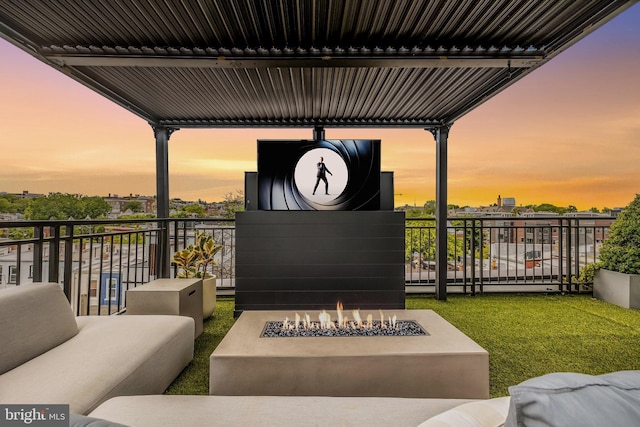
{"points": [[301, 63]]}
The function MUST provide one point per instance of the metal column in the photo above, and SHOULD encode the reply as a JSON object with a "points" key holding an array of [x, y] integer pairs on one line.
{"points": [[318, 133], [441, 135], [162, 135]]}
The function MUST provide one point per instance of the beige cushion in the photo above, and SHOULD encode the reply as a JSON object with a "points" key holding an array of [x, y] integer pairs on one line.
{"points": [[110, 356], [484, 413], [35, 318], [276, 411]]}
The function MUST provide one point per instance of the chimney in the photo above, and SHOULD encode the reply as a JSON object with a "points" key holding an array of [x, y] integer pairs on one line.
{"points": [[499, 201]]}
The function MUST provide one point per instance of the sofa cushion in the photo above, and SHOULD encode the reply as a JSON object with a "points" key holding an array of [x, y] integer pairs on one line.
{"points": [[40, 318], [570, 399], [483, 413], [271, 411], [110, 356]]}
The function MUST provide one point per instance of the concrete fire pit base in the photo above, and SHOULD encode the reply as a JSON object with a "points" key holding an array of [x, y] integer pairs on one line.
{"points": [[444, 364]]}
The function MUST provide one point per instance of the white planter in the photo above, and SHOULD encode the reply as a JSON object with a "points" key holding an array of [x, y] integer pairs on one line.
{"points": [[208, 296], [617, 288]]}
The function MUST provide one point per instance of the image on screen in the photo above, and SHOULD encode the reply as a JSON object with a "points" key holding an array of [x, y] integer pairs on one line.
{"points": [[319, 175]]}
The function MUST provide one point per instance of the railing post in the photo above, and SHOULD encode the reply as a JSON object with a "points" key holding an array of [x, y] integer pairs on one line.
{"points": [[569, 257], [68, 260], [54, 254], [163, 264], [473, 257], [560, 253], [576, 270], [37, 253], [481, 258]]}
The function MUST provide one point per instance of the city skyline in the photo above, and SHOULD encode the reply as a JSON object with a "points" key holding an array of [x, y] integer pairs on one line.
{"points": [[565, 134]]}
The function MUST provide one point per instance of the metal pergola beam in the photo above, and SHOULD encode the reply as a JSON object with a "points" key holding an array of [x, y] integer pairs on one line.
{"points": [[391, 61], [300, 123]]}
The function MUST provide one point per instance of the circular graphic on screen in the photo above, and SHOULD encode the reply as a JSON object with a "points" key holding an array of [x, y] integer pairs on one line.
{"points": [[320, 171]]}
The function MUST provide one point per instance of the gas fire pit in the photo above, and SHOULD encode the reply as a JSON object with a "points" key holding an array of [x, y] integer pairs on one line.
{"points": [[440, 362], [342, 326]]}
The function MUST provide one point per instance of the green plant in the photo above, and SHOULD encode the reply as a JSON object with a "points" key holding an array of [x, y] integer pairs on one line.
{"points": [[186, 262], [205, 249], [195, 260], [621, 251], [587, 273]]}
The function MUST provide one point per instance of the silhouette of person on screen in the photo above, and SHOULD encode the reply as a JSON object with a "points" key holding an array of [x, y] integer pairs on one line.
{"points": [[322, 175]]}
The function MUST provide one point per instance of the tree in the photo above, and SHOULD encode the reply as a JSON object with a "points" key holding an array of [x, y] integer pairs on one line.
{"points": [[606, 210], [594, 210], [134, 206], [621, 250], [232, 203], [10, 203], [192, 211], [64, 206], [94, 207], [430, 207], [474, 235], [6, 206], [548, 207]]}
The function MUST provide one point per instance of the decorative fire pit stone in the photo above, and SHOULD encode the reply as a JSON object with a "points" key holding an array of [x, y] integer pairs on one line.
{"points": [[444, 363], [404, 328]]}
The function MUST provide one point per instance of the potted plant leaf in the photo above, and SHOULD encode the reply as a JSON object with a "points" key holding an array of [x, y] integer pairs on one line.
{"points": [[618, 279], [206, 249], [197, 260], [186, 262]]}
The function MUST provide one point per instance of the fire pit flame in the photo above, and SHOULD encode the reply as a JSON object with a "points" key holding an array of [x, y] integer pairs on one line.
{"points": [[343, 322]]}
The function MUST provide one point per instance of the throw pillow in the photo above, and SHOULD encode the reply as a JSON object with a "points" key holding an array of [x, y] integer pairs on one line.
{"points": [[571, 399]]}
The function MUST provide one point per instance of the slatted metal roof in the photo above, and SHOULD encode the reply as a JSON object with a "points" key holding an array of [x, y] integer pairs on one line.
{"points": [[299, 63]]}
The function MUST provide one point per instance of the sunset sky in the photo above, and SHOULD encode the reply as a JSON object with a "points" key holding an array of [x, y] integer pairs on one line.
{"points": [[569, 133]]}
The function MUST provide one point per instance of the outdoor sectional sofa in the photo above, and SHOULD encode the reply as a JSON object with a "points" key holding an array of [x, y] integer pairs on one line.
{"points": [[557, 399], [114, 368], [49, 356]]}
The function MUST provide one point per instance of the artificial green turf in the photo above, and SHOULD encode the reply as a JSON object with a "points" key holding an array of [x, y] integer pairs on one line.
{"points": [[194, 379], [525, 335], [532, 335]]}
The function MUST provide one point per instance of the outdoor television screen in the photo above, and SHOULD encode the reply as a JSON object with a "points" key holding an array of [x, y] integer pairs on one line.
{"points": [[339, 174]]}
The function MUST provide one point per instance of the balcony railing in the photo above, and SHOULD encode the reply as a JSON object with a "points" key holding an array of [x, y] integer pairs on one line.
{"points": [[507, 253], [97, 261]]}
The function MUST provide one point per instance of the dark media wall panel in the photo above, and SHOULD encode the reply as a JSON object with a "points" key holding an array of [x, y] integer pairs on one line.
{"points": [[309, 260]]}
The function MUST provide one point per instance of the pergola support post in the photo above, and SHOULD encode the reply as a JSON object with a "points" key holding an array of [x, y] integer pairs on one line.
{"points": [[441, 135], [318, 133], [162, 135]]}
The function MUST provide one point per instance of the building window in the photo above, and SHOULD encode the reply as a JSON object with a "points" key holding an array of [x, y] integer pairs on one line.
{"points": [[13, 273], [113, 289]]}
